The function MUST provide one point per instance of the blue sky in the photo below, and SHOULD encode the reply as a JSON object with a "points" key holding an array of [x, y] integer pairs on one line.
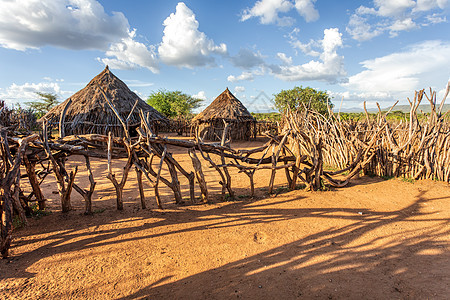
{"points": [[374, 51]]}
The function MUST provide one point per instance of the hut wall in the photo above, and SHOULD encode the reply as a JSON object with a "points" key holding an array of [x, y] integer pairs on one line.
{"points": [[239, 131], [70, 128]]}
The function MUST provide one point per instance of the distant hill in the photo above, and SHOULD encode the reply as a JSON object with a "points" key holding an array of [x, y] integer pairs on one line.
{"points": [[425, 108], [404, 108]]}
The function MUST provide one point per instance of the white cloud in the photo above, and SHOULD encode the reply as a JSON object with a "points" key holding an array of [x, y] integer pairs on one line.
{"points": [[27, 92], [394, 17], [183, 45], [244, 76], [247, 59], [71, 24], [137, 83], [435, 19], [356, 99], [248, 76], [307, 10], [239, 89], [361, 30], [130, 54], [402, 25], [426, 5], [330, 68], [268, 11], [200, 95], [399, 74], [306, 48], [389, 8], [284, 58]]}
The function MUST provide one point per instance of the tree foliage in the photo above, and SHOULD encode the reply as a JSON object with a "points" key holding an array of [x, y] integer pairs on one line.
{"points": [[44, 104], [173, 104], [296, 97]]}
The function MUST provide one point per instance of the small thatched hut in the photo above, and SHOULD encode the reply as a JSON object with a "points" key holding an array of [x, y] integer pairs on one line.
{"points": [[89, 112], [209, 124]]}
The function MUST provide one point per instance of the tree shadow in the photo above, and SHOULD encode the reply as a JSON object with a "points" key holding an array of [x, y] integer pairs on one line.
{"points": [[389, 265], [330, 264]]}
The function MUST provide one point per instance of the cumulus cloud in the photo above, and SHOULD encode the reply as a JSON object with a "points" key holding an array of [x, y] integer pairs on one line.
{"points": [[268, 11], [399, 74], [248, 75], [306, 48], [70, 24], [393, 17], [307, 10], [284, 58], [130, 54], [435, 19], [330, 68], [239, 89], [183, 45], [28, 91], [247, 59], [426, 5], [244, 76], [356, 99], [401, 25], [389, 8], [200, 95], [360, 29]]}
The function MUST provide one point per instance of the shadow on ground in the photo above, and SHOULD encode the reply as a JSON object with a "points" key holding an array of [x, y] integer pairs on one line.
{"points": [[326, 264]]}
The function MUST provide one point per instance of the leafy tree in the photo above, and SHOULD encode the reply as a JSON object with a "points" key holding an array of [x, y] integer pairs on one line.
{"points": [[294, 98], [272, 116], [44, 104], [173, 104]]}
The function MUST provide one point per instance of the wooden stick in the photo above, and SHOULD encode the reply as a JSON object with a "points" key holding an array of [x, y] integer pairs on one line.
{"points": [[199, 174]]}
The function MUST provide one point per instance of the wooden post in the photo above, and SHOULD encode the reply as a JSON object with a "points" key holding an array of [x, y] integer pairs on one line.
{"points": [[9, 176], [87, 194], [199, 174], [62, 118], [141, 187], [119, 186], [31, 173], [60, 173], [222, 157]]}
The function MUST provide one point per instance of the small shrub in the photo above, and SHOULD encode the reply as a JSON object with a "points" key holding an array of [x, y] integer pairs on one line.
{"points": [[38, 213], [323, 186], [17, 222], [228, 197], [408, 179], [98, 210], [301, 186], [281, 190]]}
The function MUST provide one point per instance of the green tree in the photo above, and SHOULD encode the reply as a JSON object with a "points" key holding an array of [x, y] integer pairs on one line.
{"points": [[294, 98], [173, 104], [44, 104]]}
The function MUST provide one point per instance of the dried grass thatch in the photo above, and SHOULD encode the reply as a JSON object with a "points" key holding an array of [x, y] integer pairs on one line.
{"points": [[226, 107], [89, 112]]}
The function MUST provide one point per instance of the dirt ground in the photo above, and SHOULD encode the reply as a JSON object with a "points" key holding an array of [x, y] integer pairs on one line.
{"points": [[375, 239]]}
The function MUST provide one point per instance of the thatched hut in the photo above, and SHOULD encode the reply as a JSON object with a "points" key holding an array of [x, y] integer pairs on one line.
{"points": [[89, 111], [209, 124]]}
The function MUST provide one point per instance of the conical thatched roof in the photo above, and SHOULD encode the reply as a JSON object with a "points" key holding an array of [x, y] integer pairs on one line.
{"points": [[227, 107], [89, 111]]}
